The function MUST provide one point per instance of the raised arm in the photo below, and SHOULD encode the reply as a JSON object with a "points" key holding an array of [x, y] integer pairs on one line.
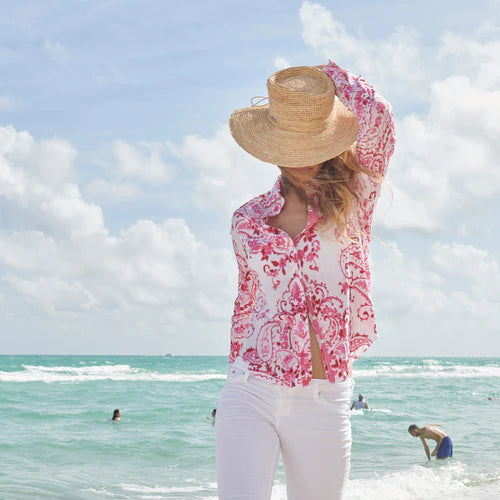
{"points": [[376, 138], [375, 143], [245, 300]]}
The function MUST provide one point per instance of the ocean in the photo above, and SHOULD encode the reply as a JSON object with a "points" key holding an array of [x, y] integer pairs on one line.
{"points": [[57, 439]]}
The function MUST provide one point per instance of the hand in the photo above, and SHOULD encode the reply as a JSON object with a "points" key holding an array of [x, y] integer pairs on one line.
{"points": [[434, 453], [320, 66]]}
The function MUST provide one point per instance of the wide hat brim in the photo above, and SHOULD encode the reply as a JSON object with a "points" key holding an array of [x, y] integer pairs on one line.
{"points": [[256, 133]]}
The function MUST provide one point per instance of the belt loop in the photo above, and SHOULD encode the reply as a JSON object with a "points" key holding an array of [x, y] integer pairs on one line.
{"points": [[245, 377], [315, 388]]}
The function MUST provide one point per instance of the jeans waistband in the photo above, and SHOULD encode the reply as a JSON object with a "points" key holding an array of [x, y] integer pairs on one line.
{"points": [[316, 385]]}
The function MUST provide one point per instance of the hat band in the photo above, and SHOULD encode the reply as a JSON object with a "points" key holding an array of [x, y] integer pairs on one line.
{"points": [[300, 117], [295, 124], [298, 125]]}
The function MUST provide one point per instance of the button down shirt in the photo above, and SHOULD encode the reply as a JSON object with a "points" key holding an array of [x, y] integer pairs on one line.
{"points": [[318, 276]]}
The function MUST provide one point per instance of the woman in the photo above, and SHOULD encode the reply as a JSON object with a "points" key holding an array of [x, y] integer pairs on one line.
{"points": [[303, 311]]}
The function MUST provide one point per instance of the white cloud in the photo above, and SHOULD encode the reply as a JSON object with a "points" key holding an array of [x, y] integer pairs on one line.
{"points": [[57, 257], [403, 285], [469, 261], [227, 176], [148, 265], [164, 264], [52, 294], [396, 210], [393, 63], [448, 158], [57, 51], [51, 161], [431, 312], [147, 166], [106, 191], [281, 63], [466, 106], [37, 189], [32, 251], [474, 55]]}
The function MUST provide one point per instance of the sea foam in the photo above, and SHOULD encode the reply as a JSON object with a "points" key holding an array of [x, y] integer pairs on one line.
{"points": [[451, 480], [74, 374], [437, 481], [428, 370], [35, 373]]}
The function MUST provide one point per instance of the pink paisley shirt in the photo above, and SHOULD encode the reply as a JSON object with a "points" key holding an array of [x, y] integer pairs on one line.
{"points": [[318, 275]]}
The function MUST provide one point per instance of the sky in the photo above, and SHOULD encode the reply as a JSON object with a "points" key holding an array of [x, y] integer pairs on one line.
{"points": [[118, 174]]}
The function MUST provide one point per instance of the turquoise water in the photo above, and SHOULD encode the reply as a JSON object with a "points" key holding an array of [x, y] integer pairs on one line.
{"points": [[57, 439]]}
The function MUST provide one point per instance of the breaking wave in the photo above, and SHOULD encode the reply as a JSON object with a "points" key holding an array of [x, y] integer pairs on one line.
{"points": [[90, 373]]}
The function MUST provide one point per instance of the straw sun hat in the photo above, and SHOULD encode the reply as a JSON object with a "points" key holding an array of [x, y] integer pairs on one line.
{"points": [[303, 124]]}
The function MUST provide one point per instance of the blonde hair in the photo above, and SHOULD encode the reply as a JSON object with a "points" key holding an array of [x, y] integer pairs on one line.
{"points": [[334, 186]]}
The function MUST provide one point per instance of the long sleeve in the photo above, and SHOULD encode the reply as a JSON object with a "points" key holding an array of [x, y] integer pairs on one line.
{"points": [[241, 321], [376, 137], [363, 329], [374, 148]]}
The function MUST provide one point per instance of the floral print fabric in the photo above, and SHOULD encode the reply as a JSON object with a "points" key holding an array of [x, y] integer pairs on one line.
{"points": [[318, 276]]}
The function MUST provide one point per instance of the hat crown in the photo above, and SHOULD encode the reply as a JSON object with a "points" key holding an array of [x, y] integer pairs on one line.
{"points": [[300, 99], [302, 125]]}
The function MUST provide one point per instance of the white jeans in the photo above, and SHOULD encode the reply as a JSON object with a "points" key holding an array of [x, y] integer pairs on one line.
{"points": [[311, 425]]}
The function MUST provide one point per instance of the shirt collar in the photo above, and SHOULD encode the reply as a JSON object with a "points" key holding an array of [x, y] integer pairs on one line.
{"points": [[274, 201]]}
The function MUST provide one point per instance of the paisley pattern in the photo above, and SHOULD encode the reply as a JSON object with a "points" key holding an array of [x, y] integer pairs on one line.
{"points": [[318, 276]]}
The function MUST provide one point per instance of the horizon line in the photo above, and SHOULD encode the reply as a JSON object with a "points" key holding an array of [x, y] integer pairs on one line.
{"points": [[168, 355]]}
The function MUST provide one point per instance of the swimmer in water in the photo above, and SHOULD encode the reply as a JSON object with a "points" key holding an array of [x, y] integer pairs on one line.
{"points": [[444, 446], [360, 404]]}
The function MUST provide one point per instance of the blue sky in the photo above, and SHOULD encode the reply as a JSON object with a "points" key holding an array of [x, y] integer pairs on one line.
{"points": [[118, 175]]}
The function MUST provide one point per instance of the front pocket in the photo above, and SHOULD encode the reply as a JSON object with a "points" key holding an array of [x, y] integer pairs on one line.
{"points": [[336, 403]]}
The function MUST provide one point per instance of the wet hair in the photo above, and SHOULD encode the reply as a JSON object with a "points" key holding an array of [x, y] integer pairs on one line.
{"points": [[412, 427], [334, 186], [116, 413]]}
